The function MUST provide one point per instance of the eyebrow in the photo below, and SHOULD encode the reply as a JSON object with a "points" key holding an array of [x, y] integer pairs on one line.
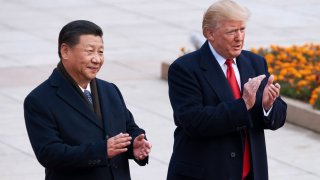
{"points": [[92, 46], [234, 28]]}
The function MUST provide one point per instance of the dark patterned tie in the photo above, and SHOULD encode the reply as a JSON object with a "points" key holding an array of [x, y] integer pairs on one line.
{"points": [[88, 95], [236, 93]]}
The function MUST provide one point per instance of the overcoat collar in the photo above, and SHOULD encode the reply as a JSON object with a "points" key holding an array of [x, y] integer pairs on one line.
{"points": [[215, 76], [70, 96]]}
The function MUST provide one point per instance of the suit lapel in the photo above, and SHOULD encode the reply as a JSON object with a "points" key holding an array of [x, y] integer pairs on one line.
{"points": [[106, 106], [214, 74], [245, 69], [72, 98]]}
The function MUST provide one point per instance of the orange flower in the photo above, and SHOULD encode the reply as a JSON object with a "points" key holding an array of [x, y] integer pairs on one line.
{"points": [[269, 57], [302, 83], [297, 68], [315, 96]]}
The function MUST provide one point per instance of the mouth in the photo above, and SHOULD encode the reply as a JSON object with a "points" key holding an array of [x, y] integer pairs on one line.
{"points": [[94, 69], [237, 47]]}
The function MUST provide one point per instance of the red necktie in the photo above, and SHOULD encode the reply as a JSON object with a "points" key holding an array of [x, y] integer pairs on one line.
{"points": [[236, 93]]}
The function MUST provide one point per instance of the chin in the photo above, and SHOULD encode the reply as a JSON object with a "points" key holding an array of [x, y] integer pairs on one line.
{"points": [[237, 53], [91, 76]]}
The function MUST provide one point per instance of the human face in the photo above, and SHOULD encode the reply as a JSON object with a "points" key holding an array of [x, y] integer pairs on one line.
{"points": [[228, 38], [84, 60]]}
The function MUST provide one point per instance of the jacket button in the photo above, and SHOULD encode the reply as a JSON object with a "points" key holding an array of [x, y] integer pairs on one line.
{"points": [[233, 154]]}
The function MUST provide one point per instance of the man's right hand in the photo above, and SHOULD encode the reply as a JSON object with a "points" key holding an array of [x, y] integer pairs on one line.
{"points": [[250, 90], [118, 144]]}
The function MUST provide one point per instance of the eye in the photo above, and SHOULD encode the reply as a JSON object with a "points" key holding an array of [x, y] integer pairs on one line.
{"points": [[89, 51], [231, 32]]}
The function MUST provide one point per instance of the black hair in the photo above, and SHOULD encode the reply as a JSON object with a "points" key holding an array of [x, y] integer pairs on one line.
{"points": [[71, 32]]}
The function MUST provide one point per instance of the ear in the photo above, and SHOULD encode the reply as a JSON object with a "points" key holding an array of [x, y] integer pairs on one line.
{"points": [[209, 34], [65, 51]]}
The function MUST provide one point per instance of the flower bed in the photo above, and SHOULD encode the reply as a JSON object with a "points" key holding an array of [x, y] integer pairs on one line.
{"points": [[297, 69]]}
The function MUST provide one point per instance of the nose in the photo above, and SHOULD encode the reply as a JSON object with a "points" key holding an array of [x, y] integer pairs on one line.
{"points": [[97, 58], [239, 34]]}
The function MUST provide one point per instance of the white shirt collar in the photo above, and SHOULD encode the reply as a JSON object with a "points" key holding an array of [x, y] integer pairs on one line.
{"points": [[88, 88], [221, 60]]}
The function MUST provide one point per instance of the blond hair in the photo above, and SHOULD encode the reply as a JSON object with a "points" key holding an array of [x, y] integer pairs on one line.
{"points": [[223, 10]]}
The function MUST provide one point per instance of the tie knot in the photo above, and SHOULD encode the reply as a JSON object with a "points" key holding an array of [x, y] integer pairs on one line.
{"points": [[87, 92], [229, 62]]}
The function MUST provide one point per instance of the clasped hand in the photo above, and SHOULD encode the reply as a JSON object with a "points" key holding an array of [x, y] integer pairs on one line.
{"points": [[118, 144], [270, 92]]}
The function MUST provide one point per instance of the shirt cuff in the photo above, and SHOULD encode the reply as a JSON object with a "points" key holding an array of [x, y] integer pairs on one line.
{"points": [[266, 113]]}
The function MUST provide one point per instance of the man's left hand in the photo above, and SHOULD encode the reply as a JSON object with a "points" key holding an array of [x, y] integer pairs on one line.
{"points": [[270, 93], [141, 147]]}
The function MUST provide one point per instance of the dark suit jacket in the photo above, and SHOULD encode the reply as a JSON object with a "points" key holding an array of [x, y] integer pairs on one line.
{"points": [[208, 140], [68, 138]]}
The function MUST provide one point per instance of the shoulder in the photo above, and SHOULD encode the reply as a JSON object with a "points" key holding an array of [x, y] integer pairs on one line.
{"points": [[107, 86], [109, 91], [256, 62], [251, 56], [40, 94], [188, 61], [48, 86], [42, 90], [188, 58]]}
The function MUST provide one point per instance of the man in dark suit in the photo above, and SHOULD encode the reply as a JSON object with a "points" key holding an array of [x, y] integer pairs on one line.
{"points": [[78, 125], [223, 98]]}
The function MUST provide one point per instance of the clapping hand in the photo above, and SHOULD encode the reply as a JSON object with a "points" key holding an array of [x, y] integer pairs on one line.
{"points": [[250, 90], [118, 144], [270, 93], [141, 147]]}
